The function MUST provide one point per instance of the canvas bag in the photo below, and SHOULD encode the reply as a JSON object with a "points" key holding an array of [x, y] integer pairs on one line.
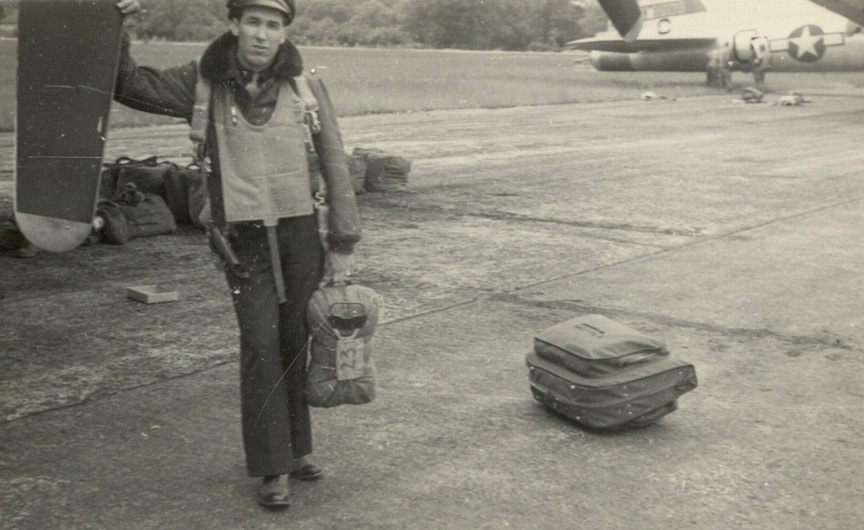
{"points": [[342, 321], [383, 172], [637, 396], [148, 175], [115, 230], [182, 189], [594, 346], [146, 214]]}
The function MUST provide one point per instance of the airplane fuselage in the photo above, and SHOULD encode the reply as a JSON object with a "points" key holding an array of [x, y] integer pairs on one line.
{"points": [[763, 35]]}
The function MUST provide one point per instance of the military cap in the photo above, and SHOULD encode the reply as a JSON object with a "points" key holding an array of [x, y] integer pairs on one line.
{"points": [[235, 7]]}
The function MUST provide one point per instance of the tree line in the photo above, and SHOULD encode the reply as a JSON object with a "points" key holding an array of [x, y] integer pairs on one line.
{"points": [[460, 24]]}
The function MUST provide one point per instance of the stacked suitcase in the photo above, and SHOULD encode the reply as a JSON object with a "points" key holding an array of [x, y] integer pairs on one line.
{"points": [[605, 375]]}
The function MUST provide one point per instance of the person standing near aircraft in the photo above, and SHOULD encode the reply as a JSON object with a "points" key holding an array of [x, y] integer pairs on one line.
{"points": [[718, 70], [714, 78], [261, 143]]}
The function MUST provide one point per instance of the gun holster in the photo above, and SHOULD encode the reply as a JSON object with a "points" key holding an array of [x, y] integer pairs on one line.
{"points": [[220, 245]]}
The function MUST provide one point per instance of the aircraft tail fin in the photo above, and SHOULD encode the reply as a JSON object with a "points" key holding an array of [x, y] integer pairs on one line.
{"points": [[626, 16]]}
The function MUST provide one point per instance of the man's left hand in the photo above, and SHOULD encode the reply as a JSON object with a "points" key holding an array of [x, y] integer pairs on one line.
{"points": [[128, 7], [338, 267]]}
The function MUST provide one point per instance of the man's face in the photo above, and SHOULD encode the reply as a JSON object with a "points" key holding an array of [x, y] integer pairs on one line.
{"points": [[260, 31]]}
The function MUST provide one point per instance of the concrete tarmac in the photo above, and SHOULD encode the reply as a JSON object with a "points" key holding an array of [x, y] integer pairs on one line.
{"points": [[730, 231]]}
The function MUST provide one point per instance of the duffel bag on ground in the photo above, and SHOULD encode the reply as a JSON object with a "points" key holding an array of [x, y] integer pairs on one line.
{"points": [[606, 375], [384, 172], [594, 345], [146, 214], [635, 397], [115, 228], [342, 320], [148, 175], [183, 189]]}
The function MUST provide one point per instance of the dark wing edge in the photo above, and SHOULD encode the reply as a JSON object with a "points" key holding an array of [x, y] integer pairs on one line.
{"points": [[851, 9], [626, 16]]}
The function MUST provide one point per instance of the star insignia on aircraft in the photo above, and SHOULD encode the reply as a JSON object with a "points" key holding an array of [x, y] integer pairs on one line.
{"points": [[807, 43]]}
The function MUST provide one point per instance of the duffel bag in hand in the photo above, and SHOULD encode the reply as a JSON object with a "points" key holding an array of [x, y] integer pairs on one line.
{"points": [[342, 320]]}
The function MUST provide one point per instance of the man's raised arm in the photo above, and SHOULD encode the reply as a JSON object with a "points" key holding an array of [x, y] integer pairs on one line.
{"points": [[170, 92]]}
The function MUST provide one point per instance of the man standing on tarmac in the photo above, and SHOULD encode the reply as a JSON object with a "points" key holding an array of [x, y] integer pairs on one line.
{"points": [[264, 148]]}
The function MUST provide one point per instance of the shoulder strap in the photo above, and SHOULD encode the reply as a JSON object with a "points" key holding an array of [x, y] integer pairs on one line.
{"points": [[200, 111], [304, 92], [312, 124]]}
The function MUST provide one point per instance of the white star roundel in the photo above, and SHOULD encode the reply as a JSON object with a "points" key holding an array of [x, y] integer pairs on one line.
{"points": [[807, 44]]}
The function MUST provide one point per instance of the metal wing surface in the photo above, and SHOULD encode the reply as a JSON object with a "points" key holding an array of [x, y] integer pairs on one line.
{"points": [[618, 45], [851, 9]]}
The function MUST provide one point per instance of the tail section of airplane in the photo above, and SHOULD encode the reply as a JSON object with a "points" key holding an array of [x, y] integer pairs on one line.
{"points": [[628, 16], [719, 36], [625, 15]]}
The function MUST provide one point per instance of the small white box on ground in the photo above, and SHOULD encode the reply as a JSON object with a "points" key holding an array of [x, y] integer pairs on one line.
{"points": [[151, 294]]}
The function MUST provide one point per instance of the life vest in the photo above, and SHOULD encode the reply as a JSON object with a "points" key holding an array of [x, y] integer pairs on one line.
{"points": [[321, 127], [264, 168]]}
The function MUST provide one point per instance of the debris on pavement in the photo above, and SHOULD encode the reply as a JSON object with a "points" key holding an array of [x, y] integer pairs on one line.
{"points": [[151, 294], [750, 95], [792, 99], [647, 96]]}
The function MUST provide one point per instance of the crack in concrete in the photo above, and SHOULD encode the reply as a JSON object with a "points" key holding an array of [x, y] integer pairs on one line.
{"points": [[582, 307], [508, 216], [499, 215], [512, 297]]}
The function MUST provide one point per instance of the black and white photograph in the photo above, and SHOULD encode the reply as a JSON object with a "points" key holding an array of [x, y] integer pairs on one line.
{"points": [[432, 264]]}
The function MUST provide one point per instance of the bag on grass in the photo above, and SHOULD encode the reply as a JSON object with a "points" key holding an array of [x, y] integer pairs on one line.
{"points": [[182, 189], [146, 214], [384, 172], [115, 229], [148, 174], [342, 320]]}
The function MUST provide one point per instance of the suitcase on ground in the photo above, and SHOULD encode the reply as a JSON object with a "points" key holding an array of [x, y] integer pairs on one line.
{"points": [[635, 397], [594, 345], [605, 375]]}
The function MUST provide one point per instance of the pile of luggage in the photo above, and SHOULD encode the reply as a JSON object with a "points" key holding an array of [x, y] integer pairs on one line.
{"points": [[146, 197], [605, 375], [150, 197]]}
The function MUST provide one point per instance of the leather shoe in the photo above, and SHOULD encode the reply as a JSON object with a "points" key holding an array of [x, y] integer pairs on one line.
{"points": [[307, 472], [273, 493]]}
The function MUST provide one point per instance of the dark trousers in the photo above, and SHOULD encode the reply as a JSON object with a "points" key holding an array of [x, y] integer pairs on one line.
{"points": [[273, 342]]}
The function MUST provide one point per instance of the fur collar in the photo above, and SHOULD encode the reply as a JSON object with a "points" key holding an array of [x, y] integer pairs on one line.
{"points": [[216, 60]]}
